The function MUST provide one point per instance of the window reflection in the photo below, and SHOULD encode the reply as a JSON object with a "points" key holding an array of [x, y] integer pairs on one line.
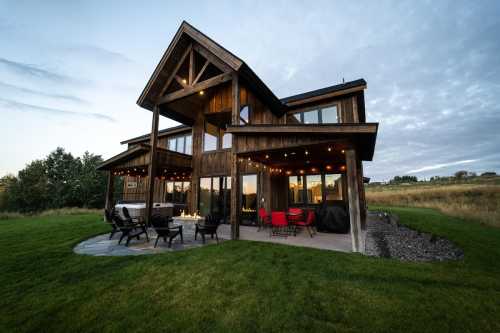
{"points": [[227, 140], [329, 115], [314, 192], [249, 199], [311, 117], [333, 187], [244, 115], [295, 189], [210, 138]]}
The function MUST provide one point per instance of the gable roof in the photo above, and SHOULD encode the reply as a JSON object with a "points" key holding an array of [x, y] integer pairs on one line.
{"points": [[338, 88], [185, 35]]}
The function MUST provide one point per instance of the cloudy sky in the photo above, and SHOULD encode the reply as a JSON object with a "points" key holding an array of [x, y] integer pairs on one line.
{"points": [[71, 71]]}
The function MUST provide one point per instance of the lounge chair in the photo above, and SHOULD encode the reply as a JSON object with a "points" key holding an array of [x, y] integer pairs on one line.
{"points": [[161, 226], [129, 228], [209, 227]]}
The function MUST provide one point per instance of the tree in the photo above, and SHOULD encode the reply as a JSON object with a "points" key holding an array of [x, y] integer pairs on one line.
{"points": [[62, 173], [461, 174], [403, 179], [29, 192], [91, 183]]}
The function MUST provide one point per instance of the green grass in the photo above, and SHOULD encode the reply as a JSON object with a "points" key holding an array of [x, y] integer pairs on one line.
{"points": [[243, 286]]}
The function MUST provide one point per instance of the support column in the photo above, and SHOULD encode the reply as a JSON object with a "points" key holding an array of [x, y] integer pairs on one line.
{"points": [[152, 163], [110, 189], [235, 172], [358, 243]]}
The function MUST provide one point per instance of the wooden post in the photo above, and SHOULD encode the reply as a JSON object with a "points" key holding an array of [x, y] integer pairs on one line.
{"points": [[152, 163], [110, 191], [358, 244], [235, 172]]}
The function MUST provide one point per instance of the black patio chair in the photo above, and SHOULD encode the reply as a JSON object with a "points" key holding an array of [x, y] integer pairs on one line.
{"points": [[161, 226], [209, 227], [127, 216], [129, 228], [108, 218]]}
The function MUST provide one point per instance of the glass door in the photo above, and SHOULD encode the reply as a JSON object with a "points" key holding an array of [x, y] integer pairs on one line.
{"points": [[249, 200], [215, 197]]}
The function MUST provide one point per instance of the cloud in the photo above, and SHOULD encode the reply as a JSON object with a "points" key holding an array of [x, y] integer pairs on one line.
{"points": [[440, 166], [34, 71], [23, 107], [70, 98]]}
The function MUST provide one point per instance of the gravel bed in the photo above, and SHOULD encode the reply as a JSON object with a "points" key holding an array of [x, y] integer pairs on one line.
{"points": [[385, 237]]}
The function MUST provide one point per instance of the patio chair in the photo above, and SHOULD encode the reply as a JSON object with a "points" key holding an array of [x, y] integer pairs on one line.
{"points": [[127, 216], [308, 223], [294, 216], [209, 227], [161, 226], [129, 228], [279, 224], [108, 218], [264, 219]]}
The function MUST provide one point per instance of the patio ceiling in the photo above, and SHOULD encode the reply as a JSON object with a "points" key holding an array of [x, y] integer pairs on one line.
{"points": [[135, 161]]}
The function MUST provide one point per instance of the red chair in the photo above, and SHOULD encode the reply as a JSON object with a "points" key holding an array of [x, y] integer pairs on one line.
{"points": [[264, 219], [279, 224], [308, 224]]}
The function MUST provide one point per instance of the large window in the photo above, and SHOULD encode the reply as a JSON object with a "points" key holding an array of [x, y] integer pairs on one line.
{"points": [[295, 189], [180, 144], [249, 200], [333, 187], [177, 191], [215, 196], [324, 115], [314, 189]]}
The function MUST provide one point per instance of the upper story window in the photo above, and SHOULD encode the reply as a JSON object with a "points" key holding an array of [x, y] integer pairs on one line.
{"points": [[210, 137], [216, 138], [180, 144], [245, 115], [323, 115]]}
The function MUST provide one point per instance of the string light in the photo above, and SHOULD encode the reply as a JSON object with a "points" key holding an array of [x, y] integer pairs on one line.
{"points": [[285, 155], [328, 167], [342, 167], [343, 151], [267, 156], [307, 153], [184, 81]]}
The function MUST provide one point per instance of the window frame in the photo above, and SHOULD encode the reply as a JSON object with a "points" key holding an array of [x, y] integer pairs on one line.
{"points": [[305, 201], [319, 109]]}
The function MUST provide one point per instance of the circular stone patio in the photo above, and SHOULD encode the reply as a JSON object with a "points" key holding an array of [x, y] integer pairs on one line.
{"points": [[103, 246]]}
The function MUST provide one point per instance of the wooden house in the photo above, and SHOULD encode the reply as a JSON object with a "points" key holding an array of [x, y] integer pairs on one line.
{"points": [[240, 147]]}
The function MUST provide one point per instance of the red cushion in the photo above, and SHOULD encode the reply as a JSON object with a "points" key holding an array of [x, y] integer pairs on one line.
{"points": [[278, 219]]}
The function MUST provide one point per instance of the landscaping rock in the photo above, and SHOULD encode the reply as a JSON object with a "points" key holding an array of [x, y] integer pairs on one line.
{"points": [[385, 237]]}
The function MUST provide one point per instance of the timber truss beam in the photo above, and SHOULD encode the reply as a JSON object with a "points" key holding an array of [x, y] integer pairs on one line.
{"points": [[196, 71]]}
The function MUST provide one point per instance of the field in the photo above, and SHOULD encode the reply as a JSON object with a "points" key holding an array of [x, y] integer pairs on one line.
{"points": [[476, 199], [240, 286]]}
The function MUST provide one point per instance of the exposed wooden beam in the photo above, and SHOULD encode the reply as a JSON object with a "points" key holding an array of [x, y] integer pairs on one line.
{"points": [[201, 72], [212, 58], [152, 163], [358, 243], [235, 172], [109, 191], [216, 80], [191, 66], [176, 69], [181, 81], [311, 129]]}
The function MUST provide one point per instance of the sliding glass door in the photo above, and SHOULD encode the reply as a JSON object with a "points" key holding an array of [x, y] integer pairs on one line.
{"points": [[215, 196]]}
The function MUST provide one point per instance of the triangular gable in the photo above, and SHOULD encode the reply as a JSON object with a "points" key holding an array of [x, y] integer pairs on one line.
{"points": [[188, 45]]}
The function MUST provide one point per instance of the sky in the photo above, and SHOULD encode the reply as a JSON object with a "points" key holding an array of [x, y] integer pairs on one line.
{"points": [[71, 72]]}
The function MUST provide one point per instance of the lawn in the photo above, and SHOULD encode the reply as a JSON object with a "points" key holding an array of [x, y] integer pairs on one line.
{"points": [[243, 286]]}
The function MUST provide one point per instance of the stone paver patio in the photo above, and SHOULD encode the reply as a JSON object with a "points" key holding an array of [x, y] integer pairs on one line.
{"points": [[103, 246]]}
